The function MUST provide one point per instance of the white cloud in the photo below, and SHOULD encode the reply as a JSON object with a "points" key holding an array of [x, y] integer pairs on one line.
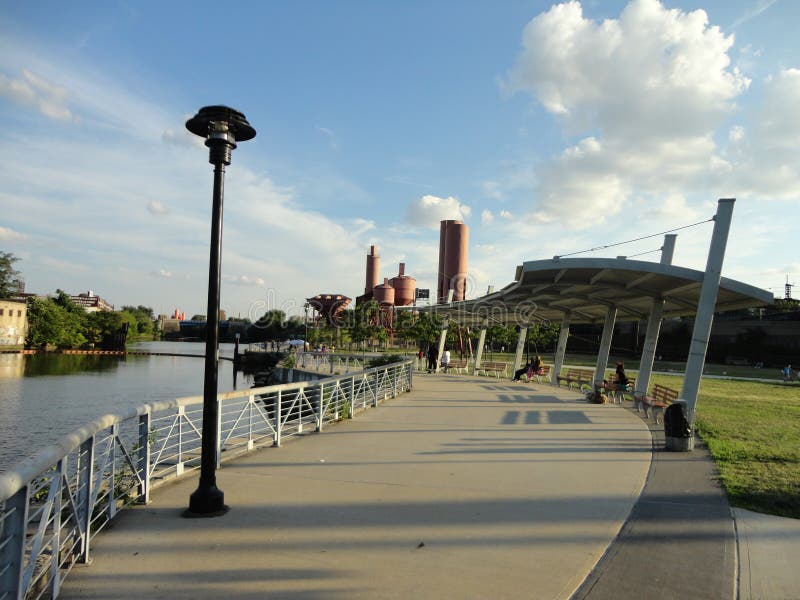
{"points": [[764, 157], [163, 273], [154, 207], [34, 91], [429, 210], [759, 7], [506, 215], [332, 143], [486, 217], [650, 86], [9, 235], [181, 137], [246, 280]]}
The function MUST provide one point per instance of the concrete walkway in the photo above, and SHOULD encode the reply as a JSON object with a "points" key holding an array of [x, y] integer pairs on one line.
{"points": [[466, 488]]}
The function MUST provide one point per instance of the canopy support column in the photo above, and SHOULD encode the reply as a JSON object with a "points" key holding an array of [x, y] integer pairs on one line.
{"points": [[654, 324], [523, 335], [479, 351], [605, 343], [705, 306], [650, 343], [561, 348], [442, 339]]}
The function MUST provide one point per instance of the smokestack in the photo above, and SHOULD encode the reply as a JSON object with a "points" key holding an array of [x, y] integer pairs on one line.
{"points": [[373, 269], [402, 270], [453, 252]]}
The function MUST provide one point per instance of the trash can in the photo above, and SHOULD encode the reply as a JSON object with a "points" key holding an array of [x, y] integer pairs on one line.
{"points": [[677, 431]]}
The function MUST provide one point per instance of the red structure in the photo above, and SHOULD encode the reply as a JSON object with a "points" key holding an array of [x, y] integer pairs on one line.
{"points": [[373, 269], [329, 306], [453, 252], [405, 287], [384, 294]]}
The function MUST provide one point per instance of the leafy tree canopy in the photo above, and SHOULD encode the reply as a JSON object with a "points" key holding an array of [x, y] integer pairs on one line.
{"points": [[8, 275]]}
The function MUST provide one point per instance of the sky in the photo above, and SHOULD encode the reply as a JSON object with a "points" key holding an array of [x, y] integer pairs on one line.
{"points": [[549, 128]]}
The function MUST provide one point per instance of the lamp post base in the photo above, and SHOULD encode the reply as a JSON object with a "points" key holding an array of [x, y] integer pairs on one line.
{"points": [[206, 502]]}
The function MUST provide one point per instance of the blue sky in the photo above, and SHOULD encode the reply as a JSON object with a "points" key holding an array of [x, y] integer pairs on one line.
{"points": [[548, 128]]}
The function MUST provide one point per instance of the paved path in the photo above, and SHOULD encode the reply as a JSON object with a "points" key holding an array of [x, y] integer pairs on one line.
{"points": [[514, 490], [465, 488]]}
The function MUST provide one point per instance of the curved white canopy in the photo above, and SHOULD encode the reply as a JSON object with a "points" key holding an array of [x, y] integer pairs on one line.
{"points": [[545, 290]]}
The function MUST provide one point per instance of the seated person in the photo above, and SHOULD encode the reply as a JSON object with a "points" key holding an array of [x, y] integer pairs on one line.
{"points": [[620, 378], [520, 372], [535, 367]]}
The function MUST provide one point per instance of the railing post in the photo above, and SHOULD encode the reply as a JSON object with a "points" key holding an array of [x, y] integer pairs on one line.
{"points": [[377, 385], [179, 463], [352, 396], [251, 401], [12, 548], [55, 571], [84, 496], [143, 459], [320, 404], [277, 441]]}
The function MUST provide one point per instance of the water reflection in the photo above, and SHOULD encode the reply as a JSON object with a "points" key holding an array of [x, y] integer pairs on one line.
{"points": [[46, 396], [12, 366], [37, 365]]}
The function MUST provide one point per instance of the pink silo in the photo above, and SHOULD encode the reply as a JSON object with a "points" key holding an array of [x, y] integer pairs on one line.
{"points": [[384, 293], [405, 287]]}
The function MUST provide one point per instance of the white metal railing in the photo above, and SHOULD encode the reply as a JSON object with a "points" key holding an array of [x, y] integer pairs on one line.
{"points": [[329, 362], [54, 503]]}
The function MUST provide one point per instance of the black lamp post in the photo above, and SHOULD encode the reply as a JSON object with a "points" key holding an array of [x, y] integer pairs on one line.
{"points": [[221, 127]]}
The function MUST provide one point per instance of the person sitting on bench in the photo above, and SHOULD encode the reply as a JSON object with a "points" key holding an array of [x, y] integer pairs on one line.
{"points": [[520, 372], [620, 379]]}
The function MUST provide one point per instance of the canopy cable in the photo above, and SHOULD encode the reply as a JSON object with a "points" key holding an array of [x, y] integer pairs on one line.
{"points": [[644, 237]]}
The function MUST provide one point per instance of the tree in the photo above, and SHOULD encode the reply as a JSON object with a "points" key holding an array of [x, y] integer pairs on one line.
{"points": [[102, 324], [142, 322], [53, 324], [9, 277]]}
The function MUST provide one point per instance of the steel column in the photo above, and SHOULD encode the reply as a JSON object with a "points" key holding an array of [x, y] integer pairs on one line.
{"points": [[442, 340], [523, 335], [605, 343], [561, 349], [479, 351], [653, 324], [705, 306]]}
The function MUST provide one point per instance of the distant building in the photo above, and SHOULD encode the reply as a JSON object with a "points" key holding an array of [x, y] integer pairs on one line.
{"points": [[13, 323], [91, 302]]}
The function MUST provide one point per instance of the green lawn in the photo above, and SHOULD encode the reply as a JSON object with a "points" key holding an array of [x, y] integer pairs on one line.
{"points": [[753, 432]]}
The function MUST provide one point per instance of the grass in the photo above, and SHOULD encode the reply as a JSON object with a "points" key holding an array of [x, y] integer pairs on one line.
{"points": [[752, 430]]}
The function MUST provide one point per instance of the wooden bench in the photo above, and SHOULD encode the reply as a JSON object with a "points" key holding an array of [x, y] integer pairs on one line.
{"points": [[494, 367], [542, 374], [576, 376], [658, 399], [458, 365], [616, 392]]}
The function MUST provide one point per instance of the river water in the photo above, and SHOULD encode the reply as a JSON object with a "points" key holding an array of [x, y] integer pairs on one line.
{"points": [[43, 397]]}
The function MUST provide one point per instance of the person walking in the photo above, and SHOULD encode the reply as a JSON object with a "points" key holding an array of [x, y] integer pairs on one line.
{"points": [[432, 358], [445, 360]]}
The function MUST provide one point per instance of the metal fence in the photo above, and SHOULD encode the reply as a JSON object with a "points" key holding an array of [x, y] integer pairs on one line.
{"points": [[54, 503]]}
